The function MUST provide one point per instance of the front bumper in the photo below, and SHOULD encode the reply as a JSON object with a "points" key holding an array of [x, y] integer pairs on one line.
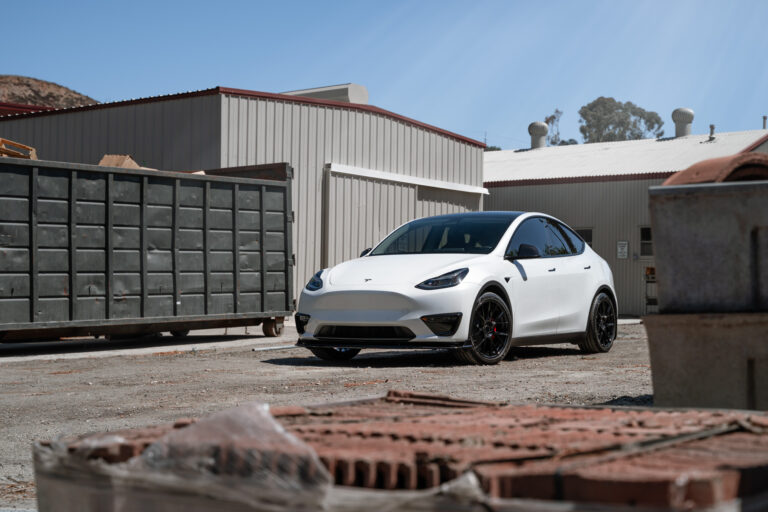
{"points": [[381, 344], [386, 307]]}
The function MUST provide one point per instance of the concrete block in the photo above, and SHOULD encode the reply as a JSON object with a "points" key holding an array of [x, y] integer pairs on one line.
{"points": [[711, 247], [709, 360]]}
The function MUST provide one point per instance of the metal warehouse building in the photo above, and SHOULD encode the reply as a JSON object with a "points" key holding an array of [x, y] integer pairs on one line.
{"points": [[359, 170], [601, 189]]}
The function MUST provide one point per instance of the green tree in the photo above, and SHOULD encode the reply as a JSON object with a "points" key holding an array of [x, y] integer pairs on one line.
{"points": [[553, 121], [553, 137], [492, 148], [606, 119]]}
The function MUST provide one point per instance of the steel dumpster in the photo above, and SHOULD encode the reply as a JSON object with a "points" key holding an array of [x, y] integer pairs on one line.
{"points": [[88, 250]]}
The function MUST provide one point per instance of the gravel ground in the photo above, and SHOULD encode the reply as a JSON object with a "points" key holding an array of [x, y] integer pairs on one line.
{"points": [[69, 389]]}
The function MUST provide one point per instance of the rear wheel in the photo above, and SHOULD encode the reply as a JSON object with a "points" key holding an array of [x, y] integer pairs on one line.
{"points": [[335, 354], [490, 331], [601, 329]]}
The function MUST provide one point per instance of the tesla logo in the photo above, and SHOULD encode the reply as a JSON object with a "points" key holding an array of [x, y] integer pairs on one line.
{"points": [[367, 279]]}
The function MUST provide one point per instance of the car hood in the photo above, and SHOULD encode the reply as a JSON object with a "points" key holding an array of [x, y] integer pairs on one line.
{"points": [[395, 269]]}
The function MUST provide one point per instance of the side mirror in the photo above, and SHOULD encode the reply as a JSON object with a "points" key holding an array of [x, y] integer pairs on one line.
{"points": [[365, 252], [526, 252]]}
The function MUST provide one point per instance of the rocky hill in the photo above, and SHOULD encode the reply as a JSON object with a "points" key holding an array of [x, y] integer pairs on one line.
{"points": [[31, 91]]}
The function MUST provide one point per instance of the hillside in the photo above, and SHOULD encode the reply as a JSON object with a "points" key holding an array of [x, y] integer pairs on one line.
{"points": [[31, 91]]}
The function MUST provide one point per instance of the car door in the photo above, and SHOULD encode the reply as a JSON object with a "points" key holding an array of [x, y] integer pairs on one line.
{"points": [[577, 284], [531, 285]]}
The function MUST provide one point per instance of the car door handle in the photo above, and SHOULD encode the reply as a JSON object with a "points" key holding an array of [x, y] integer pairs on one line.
{"points": [[588, 267], [552, 269]]}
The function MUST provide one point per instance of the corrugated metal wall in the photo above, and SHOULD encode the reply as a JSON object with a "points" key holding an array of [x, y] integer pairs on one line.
{"points": [[361, 211], [614, 210], [257, 131], [175, 135], [213, 131]]}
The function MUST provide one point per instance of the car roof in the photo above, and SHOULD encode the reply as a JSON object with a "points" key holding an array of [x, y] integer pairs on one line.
{"points": [[506, 215]]}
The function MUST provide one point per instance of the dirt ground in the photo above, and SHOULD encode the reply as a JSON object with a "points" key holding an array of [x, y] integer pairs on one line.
{"points": [[73, 388]]}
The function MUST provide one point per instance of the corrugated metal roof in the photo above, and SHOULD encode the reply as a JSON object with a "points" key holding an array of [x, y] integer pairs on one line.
{"points": [[613, 159], [251, 94]]}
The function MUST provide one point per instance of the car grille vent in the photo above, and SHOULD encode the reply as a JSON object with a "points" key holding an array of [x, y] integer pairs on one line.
{"points": [[365, 332]]}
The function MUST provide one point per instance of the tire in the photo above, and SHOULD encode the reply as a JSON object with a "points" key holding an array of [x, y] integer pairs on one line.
{"points": [[270, 328], [490, 331], [335, 354], [601, 327], [180, 334]]}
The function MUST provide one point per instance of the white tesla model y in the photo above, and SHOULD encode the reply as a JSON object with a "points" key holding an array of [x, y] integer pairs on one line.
{"points": [[478, 283]]}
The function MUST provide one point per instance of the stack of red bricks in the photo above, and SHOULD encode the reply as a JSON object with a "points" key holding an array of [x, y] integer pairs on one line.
{"points": [[648, 457], [677, 459]]}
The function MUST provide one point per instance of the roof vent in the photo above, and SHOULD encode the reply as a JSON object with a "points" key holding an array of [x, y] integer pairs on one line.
{"points": [[538, 132], [683, 117], [348, 93]]}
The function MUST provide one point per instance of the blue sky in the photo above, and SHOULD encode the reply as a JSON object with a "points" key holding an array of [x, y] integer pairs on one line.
{"points": [[473, 67]]}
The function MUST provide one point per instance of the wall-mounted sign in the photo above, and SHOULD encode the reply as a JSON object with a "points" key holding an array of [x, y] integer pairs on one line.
{"points": [[622, 249]]}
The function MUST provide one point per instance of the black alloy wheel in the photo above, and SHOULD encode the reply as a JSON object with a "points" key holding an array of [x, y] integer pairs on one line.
{"points": [[602, 325], [335, 354], [490, 331]]}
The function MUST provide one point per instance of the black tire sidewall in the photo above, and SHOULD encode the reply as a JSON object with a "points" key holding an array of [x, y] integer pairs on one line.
{"points": [[592, 343], [477, 357]]}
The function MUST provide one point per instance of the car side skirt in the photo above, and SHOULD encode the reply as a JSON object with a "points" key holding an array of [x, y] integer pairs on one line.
{"points": [[550, 339]]}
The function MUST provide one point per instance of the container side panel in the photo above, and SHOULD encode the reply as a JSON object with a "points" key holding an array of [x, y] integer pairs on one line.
{"points": [[81, 246]]}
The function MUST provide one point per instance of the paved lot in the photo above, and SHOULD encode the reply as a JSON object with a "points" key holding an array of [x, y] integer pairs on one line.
{"points": [[76, 387]]}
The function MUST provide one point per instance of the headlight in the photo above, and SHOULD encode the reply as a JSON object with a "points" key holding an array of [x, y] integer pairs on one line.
{"points": [[445, 280], [315, 283]]}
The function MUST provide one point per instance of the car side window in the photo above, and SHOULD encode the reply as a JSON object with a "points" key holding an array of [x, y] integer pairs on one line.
{"points": [[542, 234], [575, 240], [531, 232], [555, 241]]}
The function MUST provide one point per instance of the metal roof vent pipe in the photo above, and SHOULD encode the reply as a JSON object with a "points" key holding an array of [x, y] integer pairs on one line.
{"points": [[538, 132], [683, 117]]}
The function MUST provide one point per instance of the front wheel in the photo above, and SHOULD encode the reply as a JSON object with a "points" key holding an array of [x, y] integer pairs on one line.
{"points": [[601, 328], [490, 331], [335, 354]]}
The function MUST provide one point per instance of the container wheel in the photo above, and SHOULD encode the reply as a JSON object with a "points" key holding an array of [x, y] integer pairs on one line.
{"points": [[271, 327], [180, 334]]}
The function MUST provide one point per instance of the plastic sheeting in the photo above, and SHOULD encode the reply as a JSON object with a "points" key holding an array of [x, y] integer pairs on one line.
{"points": [[238, 459]]}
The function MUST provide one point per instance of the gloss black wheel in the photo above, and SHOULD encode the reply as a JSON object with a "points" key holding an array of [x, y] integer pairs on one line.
{"points": [[602, 325], [490, 331], [335, 354]]}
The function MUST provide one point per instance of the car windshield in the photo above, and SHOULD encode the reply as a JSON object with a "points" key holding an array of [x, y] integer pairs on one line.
{"points": [[478, 235]]}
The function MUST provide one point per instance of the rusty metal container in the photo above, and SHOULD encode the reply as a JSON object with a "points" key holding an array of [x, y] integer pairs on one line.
{"points": [[88, 250], [708, 346]]}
